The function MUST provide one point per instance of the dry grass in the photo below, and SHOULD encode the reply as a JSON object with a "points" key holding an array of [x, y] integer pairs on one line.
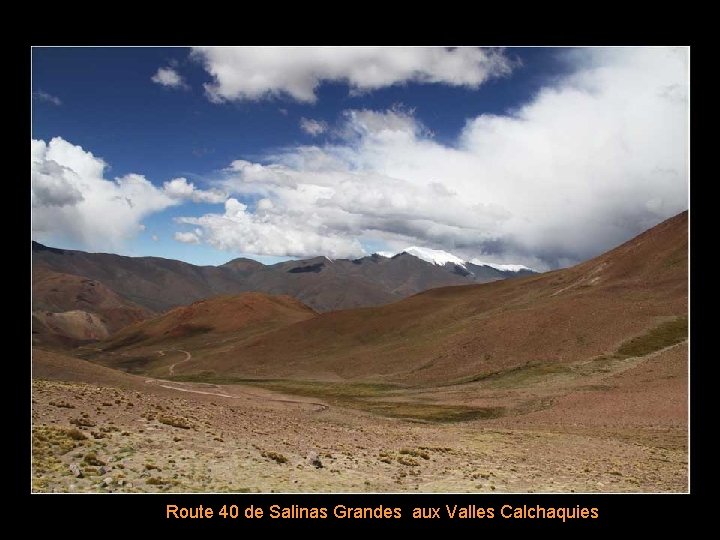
{"points": [[175, 421], [275, 456]]}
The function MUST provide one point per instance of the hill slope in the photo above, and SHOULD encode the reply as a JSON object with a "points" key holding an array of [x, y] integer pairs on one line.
{"points": [[456, 333], [69, 309], [217, 322]]}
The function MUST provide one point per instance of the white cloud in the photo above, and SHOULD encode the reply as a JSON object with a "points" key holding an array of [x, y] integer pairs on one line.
{"points": [[48, 98], [593, 159], [155, 238], [188, 237], [72, 201], [180, 188], [167, 76], [313, 127], [268, 232], [254, 73]]}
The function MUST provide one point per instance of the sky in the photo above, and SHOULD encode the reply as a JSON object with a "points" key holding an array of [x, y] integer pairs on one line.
{"points": [[536, 156]]}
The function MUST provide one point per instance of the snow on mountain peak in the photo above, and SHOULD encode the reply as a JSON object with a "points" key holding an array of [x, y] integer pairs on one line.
{"points": [[435, 256], [440, 258], [502, 267]]}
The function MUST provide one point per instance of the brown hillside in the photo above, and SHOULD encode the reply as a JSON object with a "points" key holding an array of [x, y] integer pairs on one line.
{"points": [[218, 315], [470, 331], [69, 309]]}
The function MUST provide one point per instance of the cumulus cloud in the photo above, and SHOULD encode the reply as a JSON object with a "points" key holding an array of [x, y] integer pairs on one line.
{"points": [[167, 76], [72, 201], [190, 237], [593, 159], [254, 73], [180, 188], [48, 98], [269, 232], [313, 127]]}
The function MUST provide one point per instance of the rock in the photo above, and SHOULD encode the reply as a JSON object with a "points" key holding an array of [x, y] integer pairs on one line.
{"points": [[107, 481], [104, 469], [314, 459], [76, 470]]}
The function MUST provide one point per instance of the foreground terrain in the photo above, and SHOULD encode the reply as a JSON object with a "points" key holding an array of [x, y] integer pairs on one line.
{"points": [[123, 433], [573, 380]]}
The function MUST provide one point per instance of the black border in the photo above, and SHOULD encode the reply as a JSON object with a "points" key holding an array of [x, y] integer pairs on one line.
{"points": [[137, 513]]}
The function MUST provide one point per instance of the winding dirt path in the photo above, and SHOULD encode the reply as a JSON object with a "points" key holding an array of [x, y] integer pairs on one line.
{"points": [[188, 357]]}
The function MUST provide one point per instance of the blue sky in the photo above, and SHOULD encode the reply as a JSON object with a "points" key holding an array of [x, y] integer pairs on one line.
{"points": [[475, 153]]}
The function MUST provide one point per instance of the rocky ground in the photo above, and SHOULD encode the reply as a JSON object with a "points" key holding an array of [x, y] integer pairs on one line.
{"points": [[131, 434]]}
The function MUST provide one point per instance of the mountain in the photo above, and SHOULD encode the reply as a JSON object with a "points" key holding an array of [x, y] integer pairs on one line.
{"points": [[69, 309], [158, 284], [631, 298]]}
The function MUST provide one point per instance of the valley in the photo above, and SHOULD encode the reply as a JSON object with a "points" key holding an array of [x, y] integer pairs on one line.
{"points": [[569, 381]]}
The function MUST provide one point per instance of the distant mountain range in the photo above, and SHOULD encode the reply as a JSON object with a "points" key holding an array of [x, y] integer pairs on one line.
{"points": [[81, 296], [630, 301]]}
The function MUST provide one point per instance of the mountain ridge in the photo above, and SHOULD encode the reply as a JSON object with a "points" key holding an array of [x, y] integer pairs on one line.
{"points": [[581, 313], [158, 284]]}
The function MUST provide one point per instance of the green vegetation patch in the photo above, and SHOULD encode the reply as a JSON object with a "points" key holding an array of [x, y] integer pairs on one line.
{"points": [[297, 387], [664, 335], [358, 395], [49, 444], [429, 412], [518, 376]]}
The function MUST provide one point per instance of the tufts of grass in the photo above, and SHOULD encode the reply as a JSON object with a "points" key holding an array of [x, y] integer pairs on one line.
{"points": [[49, 444], [661, 336], [407, 461], [415, 453], [83, 422], [62, 404], [157, 481], [275, 456], [75, 434], [91, 459], [174, 421]]}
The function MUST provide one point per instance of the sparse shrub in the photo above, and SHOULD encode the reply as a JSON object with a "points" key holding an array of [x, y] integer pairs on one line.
{"points": [[63, 404], [407, 461], [83, 422], [75, 434], [415, 453], [173, 421], [156, 481], [92, 459], [279, 458]]}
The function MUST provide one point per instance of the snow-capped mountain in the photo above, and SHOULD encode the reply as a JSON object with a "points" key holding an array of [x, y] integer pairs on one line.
{"points": [[441, 258], [502, 267], [435, 256]]}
